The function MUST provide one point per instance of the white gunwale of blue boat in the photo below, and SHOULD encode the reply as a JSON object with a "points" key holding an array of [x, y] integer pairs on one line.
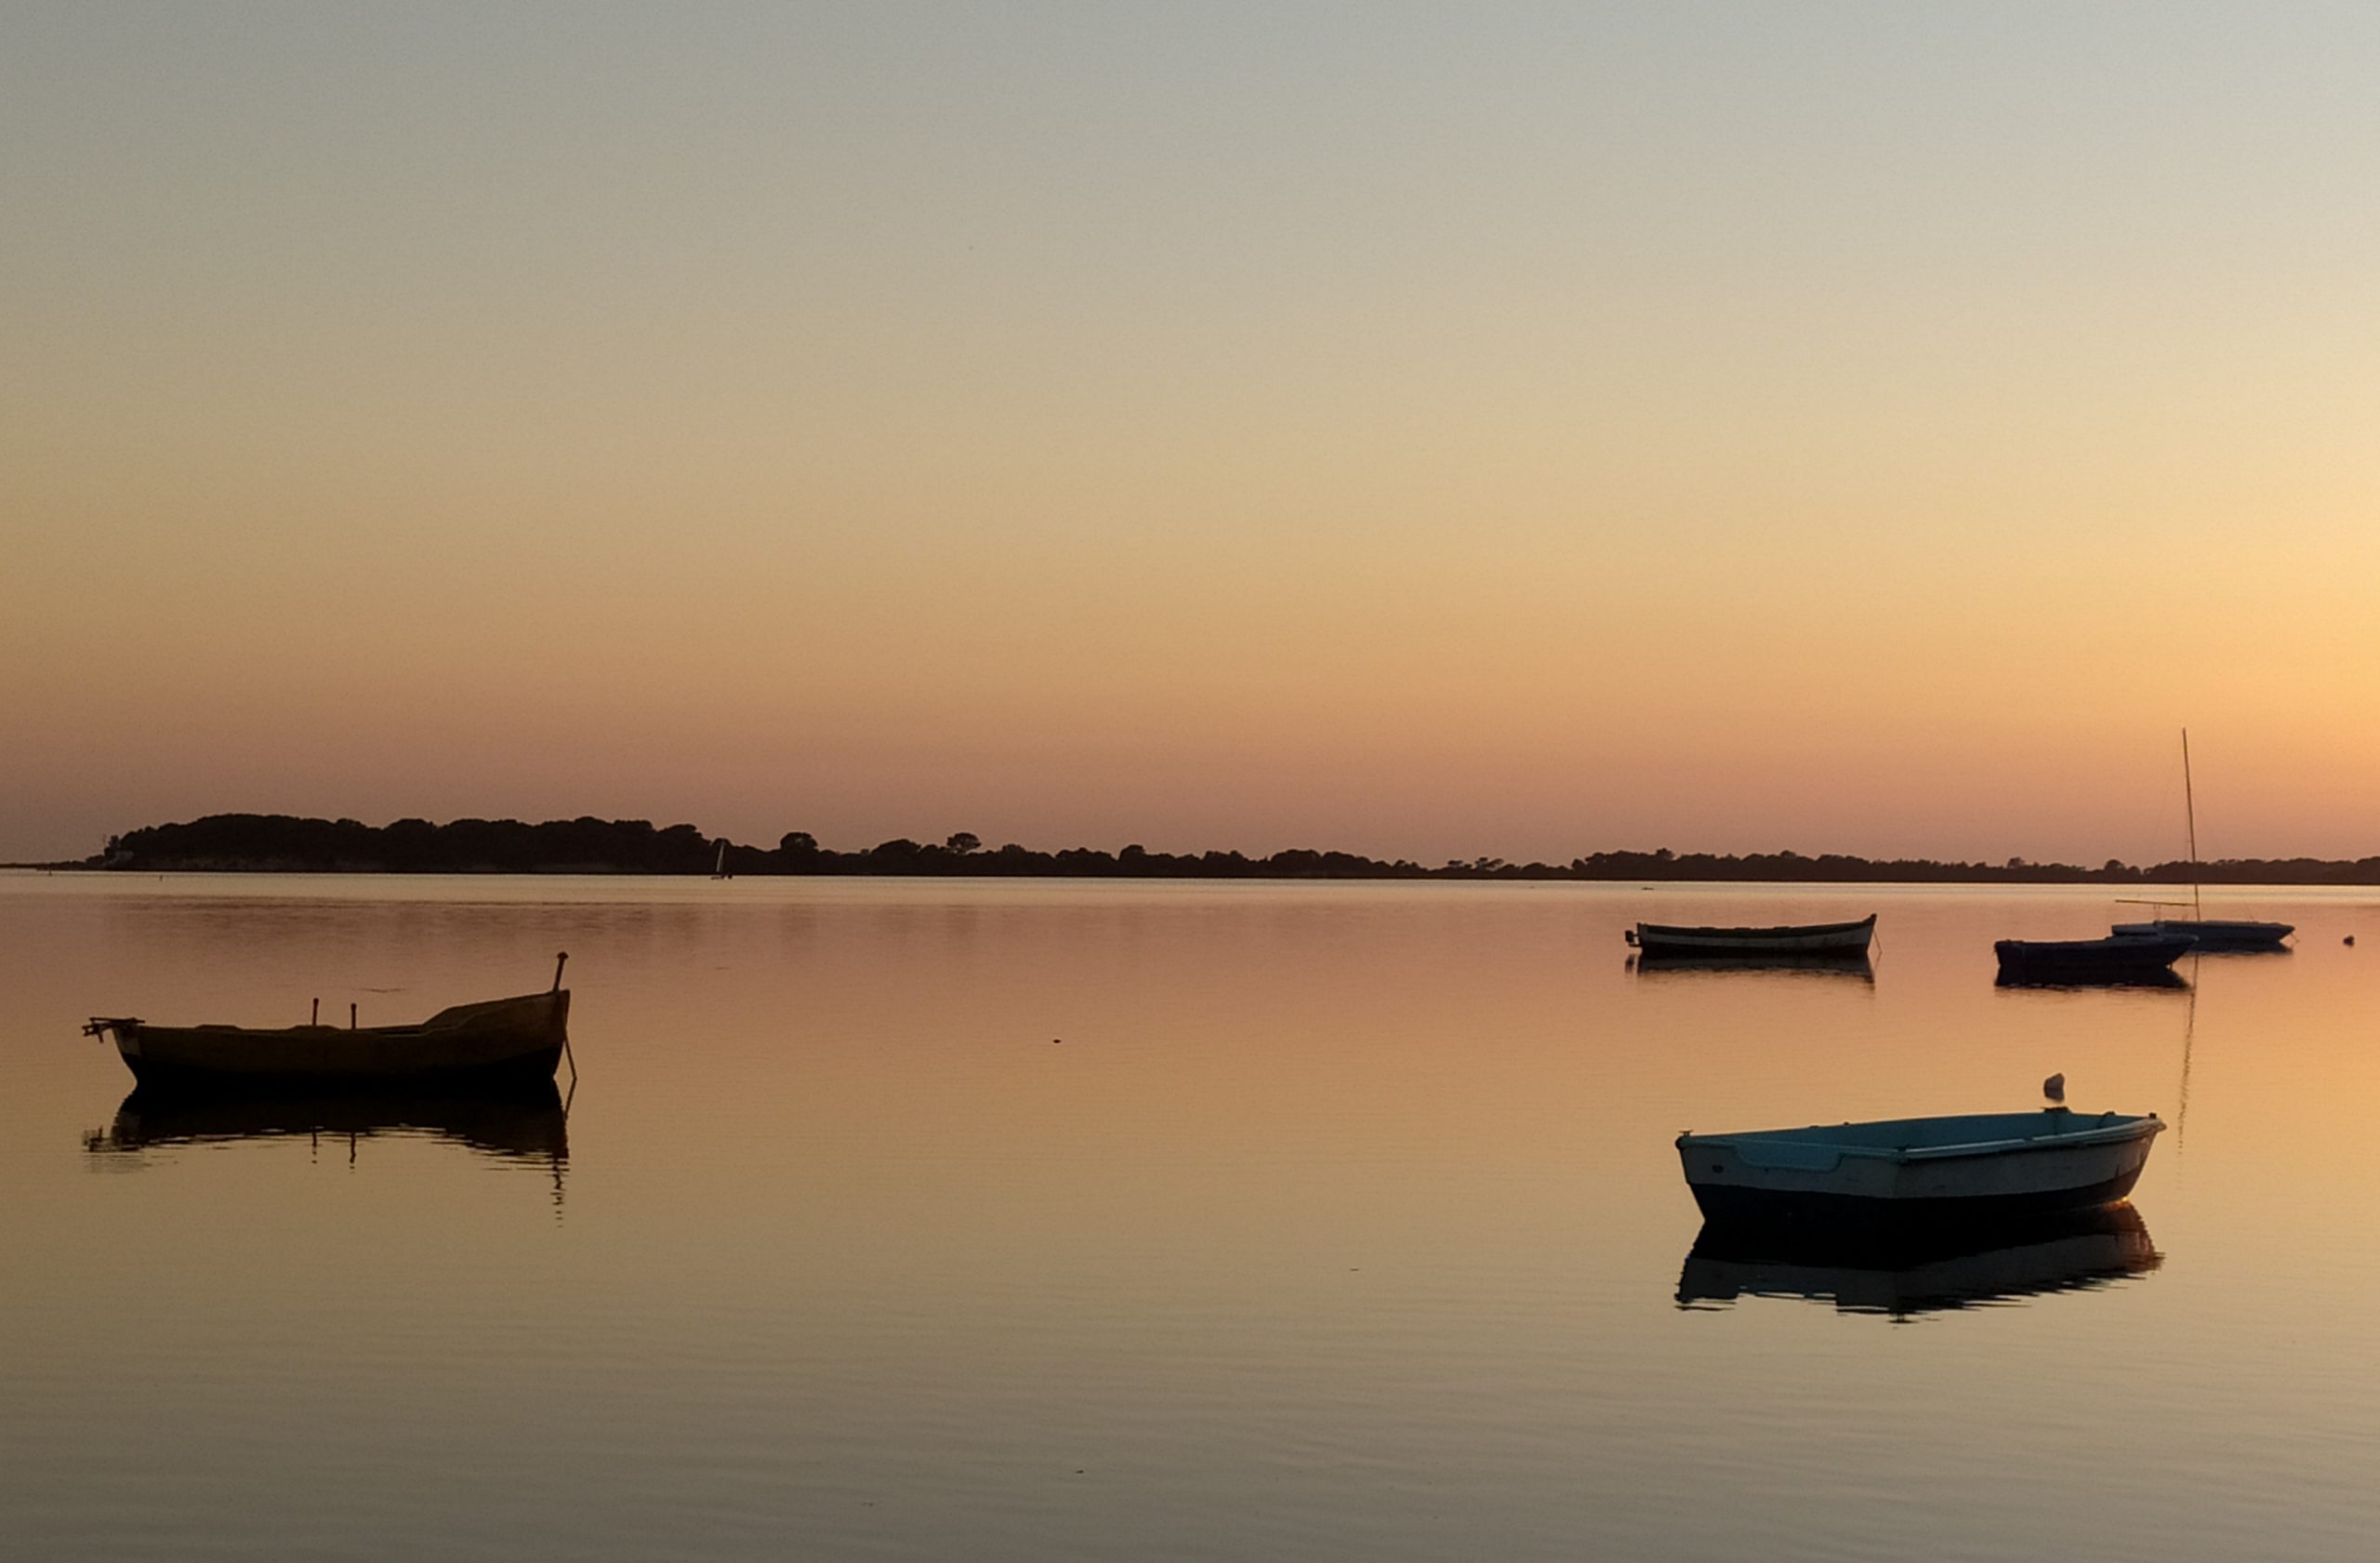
{"points": [[1802, 1146]]}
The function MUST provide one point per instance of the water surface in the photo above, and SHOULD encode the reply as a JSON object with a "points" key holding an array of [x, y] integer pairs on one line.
{"points": [[916, 1219]]}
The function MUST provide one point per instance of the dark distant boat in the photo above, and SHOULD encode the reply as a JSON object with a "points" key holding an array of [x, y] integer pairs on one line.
{"points": [[1920, 1272], [2116, 959], [1813, 938], [2212, 934], [1918, 1173], [500, 1038]]}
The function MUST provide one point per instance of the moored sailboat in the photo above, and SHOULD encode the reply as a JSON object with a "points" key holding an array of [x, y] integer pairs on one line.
{"points": [[2210, 934]]}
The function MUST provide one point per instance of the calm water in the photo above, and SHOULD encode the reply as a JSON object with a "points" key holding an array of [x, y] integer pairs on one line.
{"points": [[1031, 1221]]}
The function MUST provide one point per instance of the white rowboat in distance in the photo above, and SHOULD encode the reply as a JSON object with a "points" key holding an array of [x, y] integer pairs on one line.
{"points": [[1812, 939]]}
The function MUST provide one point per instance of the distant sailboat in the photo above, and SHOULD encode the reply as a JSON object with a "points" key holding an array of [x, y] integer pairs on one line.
{"points": [[719, 870], [2210, 932]]}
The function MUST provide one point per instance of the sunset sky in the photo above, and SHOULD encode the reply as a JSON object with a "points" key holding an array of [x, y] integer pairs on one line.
{"points": [[1422, 429]]}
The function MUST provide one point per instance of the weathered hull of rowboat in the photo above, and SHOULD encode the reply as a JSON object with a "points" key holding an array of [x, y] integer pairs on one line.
{"points": [[2213, 934], [1815, 938], [2115, 959], [1916, 1174], [1923, 1271], [501, 1040]]}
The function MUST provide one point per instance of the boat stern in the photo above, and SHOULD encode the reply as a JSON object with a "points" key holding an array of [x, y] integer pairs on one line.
{"points": [[1735, 1178]]}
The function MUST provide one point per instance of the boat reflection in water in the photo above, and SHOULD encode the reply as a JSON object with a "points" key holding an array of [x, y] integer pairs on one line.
{"points": [[1652, 962], [519, 1122], [2119, 960], [2160, 978], [1959, 1266]]}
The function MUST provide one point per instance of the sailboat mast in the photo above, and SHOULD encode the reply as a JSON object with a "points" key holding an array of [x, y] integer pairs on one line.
{"points": [[2190, 809]]}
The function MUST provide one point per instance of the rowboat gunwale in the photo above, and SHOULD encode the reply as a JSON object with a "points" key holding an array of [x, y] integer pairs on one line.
{"points": [[2110, 1128]]}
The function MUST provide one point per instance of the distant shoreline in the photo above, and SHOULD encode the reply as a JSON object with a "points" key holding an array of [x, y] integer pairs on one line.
{"points": [[285, 843]]}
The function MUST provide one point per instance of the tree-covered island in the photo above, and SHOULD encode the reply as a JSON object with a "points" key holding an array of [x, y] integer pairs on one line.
{"points": [[285, 843]]}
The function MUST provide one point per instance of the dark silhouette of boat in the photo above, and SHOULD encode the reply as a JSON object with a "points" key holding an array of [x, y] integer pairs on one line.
{"points": [[2120, 957], [1919, 1273], [1814, 938], [518, 1121], [499, 1039]]}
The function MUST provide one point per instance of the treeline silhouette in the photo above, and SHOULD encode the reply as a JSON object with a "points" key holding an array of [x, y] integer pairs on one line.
{"points": [[285, 843]]}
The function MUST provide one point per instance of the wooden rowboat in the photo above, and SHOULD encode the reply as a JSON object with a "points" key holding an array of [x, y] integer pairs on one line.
{"points": [[1814, 938], [1919, 1172], [496, 1040]]}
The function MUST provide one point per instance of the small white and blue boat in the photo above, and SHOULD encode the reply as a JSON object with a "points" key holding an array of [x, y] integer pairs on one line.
{"points": [[1909, 1172], [2207, 933]]}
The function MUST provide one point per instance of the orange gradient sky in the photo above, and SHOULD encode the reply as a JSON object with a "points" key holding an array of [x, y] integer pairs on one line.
{"points": [[1423, 430]]}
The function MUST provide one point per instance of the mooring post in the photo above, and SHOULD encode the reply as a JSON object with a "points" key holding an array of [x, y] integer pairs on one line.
{"points": [[316, 1018], [350, 1017]]}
